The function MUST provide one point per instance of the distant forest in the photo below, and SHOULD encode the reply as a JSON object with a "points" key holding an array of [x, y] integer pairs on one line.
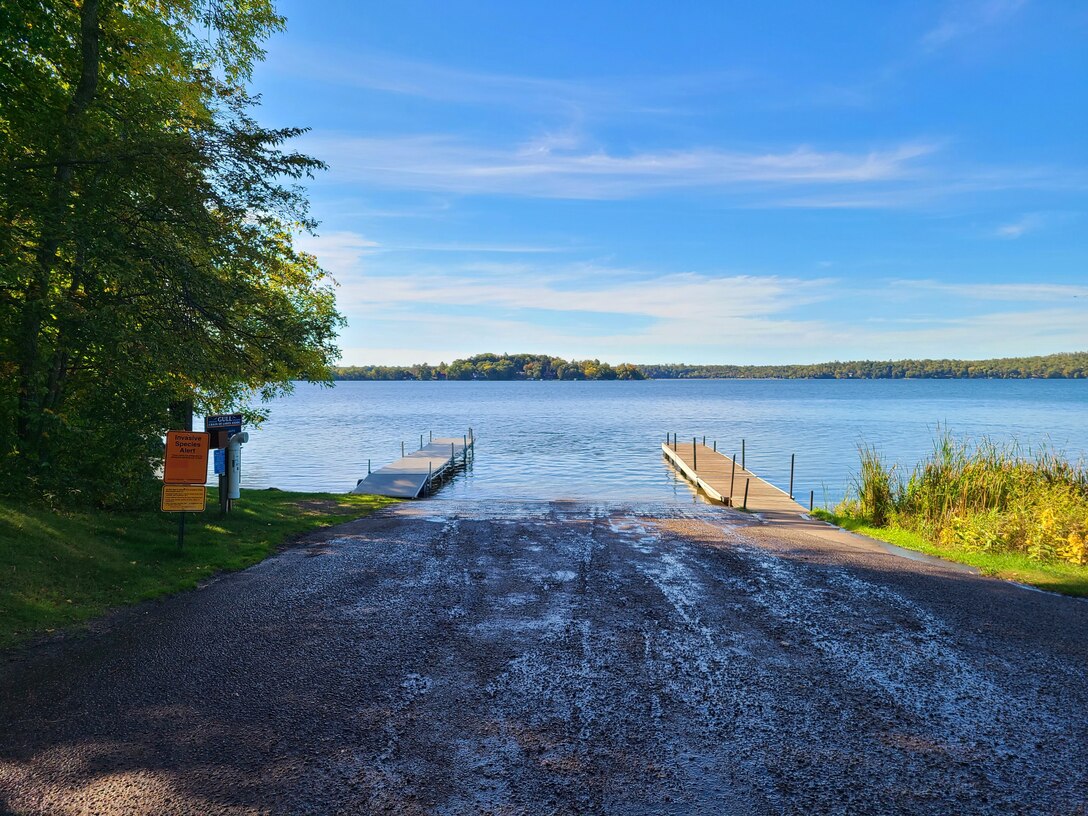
{"points": [[1073, 365]]}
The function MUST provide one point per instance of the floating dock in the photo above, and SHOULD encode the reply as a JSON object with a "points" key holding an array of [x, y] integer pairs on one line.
{"points": [[416, 473], [725, 480]]}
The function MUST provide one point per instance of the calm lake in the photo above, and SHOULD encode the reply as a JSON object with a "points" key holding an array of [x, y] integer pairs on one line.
{"points": [[601, 440]]}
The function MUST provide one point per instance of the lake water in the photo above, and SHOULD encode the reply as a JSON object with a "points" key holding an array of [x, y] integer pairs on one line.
{"points": [[601, 440]]}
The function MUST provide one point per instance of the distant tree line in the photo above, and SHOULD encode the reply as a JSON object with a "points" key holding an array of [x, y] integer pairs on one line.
{"points": [[1073, 365], [497, 367]]}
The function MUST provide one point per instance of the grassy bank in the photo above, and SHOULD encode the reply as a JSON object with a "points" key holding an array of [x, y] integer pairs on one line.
{"points": [[1067, 579], [58, 569], [1016, 515]]}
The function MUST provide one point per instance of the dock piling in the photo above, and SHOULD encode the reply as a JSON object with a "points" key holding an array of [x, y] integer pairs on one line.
{"points": [[742, 467], [745, 505], [367, 467], [694, 456], [793, 457], [715, 446], [811, 498], [421, 441], [401, 450], [732, 477]]}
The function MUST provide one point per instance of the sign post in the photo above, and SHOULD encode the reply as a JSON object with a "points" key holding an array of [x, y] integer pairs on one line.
{"points": [[221, 427], [184, 472]]}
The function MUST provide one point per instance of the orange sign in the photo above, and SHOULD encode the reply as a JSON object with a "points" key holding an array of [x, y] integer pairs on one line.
{"points": [[180, 498], [186, 458]]}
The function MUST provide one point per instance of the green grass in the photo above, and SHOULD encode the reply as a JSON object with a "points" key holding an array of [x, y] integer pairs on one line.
{"points": [[1013, 566], [59, 569]]}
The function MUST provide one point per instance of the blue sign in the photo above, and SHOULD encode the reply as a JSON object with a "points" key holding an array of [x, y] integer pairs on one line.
{"points": [[231, 423], [219, 461]]}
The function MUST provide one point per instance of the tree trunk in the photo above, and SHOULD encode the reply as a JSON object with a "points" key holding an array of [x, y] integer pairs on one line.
{"points": [[53, 228]]}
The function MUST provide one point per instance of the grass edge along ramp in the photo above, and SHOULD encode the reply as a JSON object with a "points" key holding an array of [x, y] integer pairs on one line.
{"points": [[63, 568]]}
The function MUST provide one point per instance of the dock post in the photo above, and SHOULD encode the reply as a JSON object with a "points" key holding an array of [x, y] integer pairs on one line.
{"points": [[715, 446], [745, 505], [401, 450], [421, 441], [704, 440], [694, 456], [464, 449], [732, 477], [452, 453], [811, 496], [367, 467], [427, 485], [793, 456], [430, 436], [742, 467]]}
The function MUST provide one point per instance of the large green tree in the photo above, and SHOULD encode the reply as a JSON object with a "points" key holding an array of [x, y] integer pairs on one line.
{"points": [[146, 226]]}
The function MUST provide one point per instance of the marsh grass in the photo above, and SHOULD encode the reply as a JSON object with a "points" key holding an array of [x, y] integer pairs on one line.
{"points": [[981, 497]]}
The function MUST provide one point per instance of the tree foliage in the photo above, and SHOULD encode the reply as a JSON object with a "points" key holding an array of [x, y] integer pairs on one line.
{"points": [[542, 367], [146, 225]]}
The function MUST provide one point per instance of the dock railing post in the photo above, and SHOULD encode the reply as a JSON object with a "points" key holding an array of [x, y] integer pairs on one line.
{"points": [[715, 446], [694, 456], [811, 499], [742, 467], [367, 467], [464, 449], [732, 477], [704, 440], [453, 453], [793, 457], [421, 441], [430, 436], [401, 450], [746, 493]]}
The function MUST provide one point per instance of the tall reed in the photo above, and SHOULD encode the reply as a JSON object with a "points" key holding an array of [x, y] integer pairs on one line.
{"points": [[982, 496]]}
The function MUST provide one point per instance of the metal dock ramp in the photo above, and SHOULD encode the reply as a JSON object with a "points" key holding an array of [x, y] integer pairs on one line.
{"points": [[411, 476]]}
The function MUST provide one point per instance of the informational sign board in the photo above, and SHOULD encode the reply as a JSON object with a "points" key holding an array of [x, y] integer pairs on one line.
{"points": [[222, 427], [219, 461], [178, 498], [186, 458]]}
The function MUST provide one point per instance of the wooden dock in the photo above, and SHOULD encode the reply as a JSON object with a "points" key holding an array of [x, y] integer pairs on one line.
{"points": [[716, 475], [417, 473]]}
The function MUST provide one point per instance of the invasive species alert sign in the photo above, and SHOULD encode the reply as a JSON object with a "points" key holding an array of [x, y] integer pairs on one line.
{"points": [[186, 458], [183, 498]]}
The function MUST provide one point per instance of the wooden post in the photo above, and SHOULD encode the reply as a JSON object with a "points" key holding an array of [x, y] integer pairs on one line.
{"points": [[401, 450], [430, 436], [715, 446], [367, 467], [421, 441], [704, 440], [732, 476], [793, 456], [453, 453], [694, 456], [746, 493], [811, 496], [742, 467], [464, 450]]}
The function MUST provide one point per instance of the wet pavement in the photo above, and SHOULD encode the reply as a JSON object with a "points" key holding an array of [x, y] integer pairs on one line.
{"points": [[565, 658]]}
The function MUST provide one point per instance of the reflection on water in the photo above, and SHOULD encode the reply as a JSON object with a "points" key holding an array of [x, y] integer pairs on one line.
{"points": [[601, 440]]}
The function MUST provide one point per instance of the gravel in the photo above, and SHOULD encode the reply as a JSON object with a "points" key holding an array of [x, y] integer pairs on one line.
{"points": [[562, 658]]}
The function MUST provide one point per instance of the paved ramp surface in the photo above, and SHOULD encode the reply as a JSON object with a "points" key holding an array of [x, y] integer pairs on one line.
{"points": [[562, 659]]}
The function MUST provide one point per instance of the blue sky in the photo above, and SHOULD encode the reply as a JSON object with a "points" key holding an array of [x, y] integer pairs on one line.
{"points": [[695, 182]]}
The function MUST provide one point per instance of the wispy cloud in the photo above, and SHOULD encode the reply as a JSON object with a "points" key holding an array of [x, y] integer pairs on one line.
{"points": [[1040, 292], [650, 94], [965, 18], [1016, 229], [448, 164]]}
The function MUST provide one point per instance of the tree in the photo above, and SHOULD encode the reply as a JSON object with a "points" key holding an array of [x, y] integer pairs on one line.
{"points": [[145, 234]]}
